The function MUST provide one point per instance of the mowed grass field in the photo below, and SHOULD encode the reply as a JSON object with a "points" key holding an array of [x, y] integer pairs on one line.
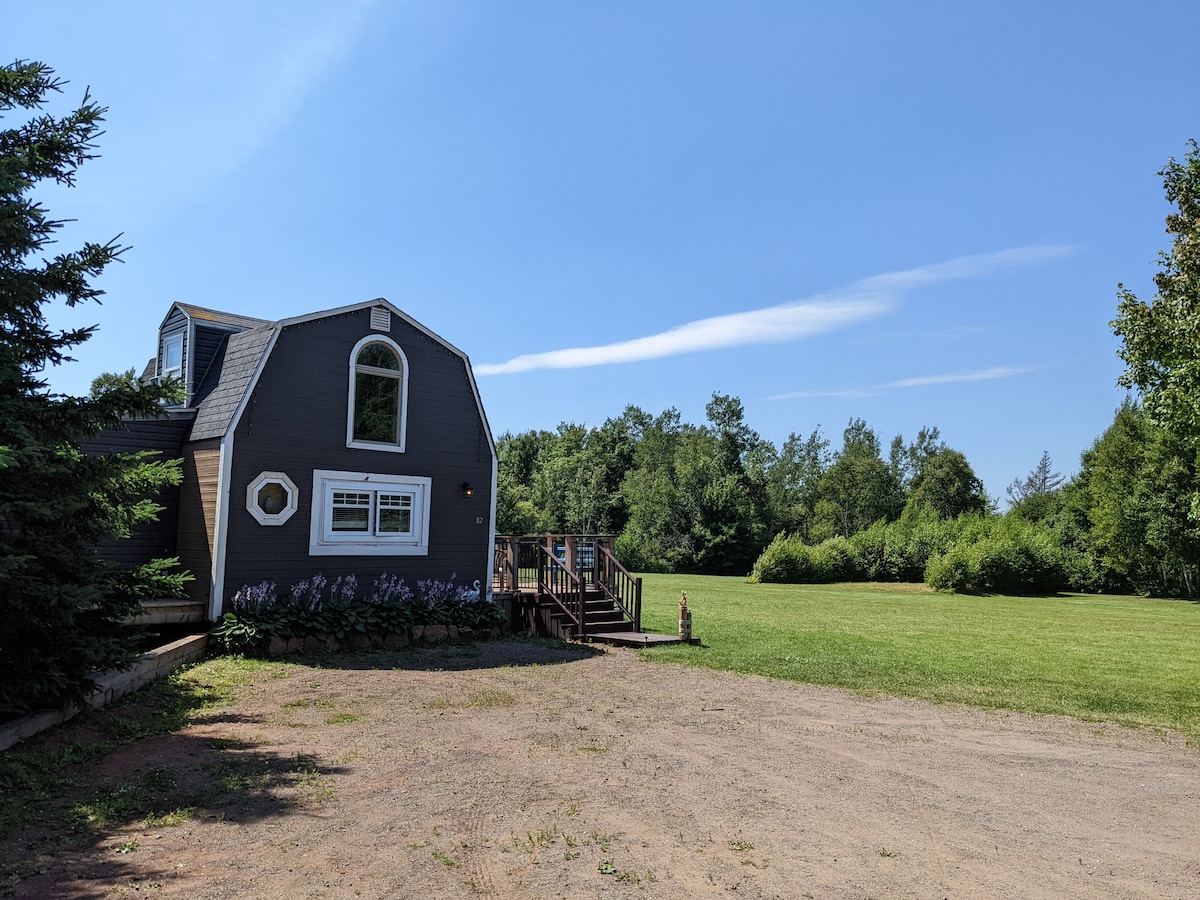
{"points": [[1128, 660]]}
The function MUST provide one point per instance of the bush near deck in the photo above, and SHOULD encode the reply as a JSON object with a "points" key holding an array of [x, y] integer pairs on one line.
{"points": [[1104, 658]]}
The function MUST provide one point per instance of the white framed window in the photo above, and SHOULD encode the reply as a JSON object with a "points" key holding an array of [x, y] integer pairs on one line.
{"points": [[272, 498], [172, 358], [377, 406], [363, 514]]}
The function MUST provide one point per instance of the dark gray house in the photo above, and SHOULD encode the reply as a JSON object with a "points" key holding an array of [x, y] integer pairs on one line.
{"points": [[349, 441]]}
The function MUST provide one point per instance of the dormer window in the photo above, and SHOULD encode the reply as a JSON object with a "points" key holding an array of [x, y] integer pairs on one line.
{"points": [[377, 405], [172, 358]]}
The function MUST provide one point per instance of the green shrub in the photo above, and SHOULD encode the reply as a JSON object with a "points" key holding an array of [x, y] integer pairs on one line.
{"points": [[639, 553], [788, 560], [949, 571], [832, 560], [1011, 557], [869, 553], [780, 562]]}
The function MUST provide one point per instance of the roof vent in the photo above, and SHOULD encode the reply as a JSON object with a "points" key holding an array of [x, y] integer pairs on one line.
{"points": [[381, 319]]}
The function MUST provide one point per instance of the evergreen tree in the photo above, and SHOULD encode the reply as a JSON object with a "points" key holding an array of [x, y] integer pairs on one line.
{"points": [[61, 606], [1042, 480]]}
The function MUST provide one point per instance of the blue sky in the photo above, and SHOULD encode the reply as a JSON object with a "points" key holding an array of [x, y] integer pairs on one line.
{"points": [[912, 213]]}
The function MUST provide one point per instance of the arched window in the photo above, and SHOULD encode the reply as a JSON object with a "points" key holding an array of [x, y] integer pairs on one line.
{"points": [[378, 395]]}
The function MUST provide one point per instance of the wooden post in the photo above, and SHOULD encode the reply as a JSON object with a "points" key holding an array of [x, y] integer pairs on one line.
{"points": [[571, 552], [685, 618], [512, 553]]}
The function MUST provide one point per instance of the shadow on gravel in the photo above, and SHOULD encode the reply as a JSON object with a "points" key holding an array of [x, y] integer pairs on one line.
{"points": [[105, 783], [457, 657]]}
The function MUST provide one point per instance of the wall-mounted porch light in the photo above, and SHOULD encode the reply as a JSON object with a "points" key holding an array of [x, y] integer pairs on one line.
{"points": [[467, 490]]}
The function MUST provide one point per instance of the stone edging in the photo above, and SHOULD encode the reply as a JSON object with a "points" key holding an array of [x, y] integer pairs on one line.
{"points": [[111, 684]]}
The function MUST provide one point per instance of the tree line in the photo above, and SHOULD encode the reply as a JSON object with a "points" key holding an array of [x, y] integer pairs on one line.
{"points": [[717, 498], [708, 498]]}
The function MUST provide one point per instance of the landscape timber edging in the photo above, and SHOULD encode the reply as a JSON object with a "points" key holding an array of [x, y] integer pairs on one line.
{"points": [[110, 685]]}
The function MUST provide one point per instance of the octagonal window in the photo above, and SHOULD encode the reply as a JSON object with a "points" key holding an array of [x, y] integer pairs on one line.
{"points": [[272, 498]]}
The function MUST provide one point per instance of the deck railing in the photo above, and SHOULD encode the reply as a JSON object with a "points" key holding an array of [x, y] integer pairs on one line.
{"points": [[562, 587], [620, 585], [541, 563], [516, 558]]}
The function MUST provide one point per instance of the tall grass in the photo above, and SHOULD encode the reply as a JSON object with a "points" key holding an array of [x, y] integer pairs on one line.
{"points": [[1128, 660]]}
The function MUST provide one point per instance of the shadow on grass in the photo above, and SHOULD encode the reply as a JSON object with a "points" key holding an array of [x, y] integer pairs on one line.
{"points": [[75, 801]]}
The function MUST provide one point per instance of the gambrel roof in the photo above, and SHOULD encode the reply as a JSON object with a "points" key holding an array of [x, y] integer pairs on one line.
{"points": [[219, 395], [233, 372]]}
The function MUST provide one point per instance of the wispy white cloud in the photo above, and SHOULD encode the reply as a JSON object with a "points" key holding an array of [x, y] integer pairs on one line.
{"points": [[920, 381], [822, 313], [959, 377], [773, 325], [835, 394]]}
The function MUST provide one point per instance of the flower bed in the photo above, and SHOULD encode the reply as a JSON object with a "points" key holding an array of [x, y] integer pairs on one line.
{"points": [[317, 614]]}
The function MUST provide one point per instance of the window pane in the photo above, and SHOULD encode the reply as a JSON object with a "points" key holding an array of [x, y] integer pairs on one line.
{"points": [[351, 511], [378, 356], [173, 354], [272, 498], [376, 408], [395, 513]]}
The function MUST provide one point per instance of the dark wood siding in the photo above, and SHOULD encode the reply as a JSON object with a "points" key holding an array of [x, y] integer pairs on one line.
{"points": [[204, 349], [295, 422], [198, 515], [175, 322], [154, 540]]}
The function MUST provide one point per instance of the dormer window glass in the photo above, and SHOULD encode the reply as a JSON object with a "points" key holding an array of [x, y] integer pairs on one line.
{"points": [[172, 361]]}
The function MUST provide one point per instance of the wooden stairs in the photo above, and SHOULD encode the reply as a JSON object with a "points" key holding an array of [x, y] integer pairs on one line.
{"points": [[572, 588], [602, 616]]}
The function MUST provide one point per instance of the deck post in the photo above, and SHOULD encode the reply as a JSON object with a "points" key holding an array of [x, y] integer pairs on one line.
{"points": [[571, 552]]}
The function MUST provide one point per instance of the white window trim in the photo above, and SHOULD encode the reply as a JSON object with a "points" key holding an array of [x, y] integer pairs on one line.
{"points": [[402, 428], [289, 486], [168, 339], [322, 543]]}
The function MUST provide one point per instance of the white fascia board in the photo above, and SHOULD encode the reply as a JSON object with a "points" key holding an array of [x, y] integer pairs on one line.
{"points": [[224, 475], [189, 370], [491, 544]]}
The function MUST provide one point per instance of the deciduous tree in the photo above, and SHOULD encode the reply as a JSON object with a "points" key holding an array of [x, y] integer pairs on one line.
{"points": [[1161, 339]]}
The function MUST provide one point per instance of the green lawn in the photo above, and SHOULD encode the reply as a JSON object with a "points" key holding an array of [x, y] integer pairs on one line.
{"points": [[1130, 660]]}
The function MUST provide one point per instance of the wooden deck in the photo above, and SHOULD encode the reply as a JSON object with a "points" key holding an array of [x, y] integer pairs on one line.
{"points": [[572, 587], [635, 639]]}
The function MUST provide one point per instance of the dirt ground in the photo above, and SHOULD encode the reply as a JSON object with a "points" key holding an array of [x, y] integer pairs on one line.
{"points": [[532, 771]]}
